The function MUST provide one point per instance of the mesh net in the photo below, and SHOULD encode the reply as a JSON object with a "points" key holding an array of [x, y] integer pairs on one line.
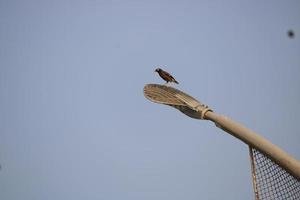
{"points": [[270, 181]]}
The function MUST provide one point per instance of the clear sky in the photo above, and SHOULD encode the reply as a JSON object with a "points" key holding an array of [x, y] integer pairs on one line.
{"points": [[74, 123]]}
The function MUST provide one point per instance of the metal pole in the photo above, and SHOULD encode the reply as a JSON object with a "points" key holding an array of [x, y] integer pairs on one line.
{"points": [[195, 109]]}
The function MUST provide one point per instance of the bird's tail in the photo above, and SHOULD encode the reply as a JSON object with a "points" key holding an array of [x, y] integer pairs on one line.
{"points": [[175, 81]]}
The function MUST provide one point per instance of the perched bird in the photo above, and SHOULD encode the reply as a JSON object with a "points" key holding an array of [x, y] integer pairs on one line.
{"points": [[165, 75]]}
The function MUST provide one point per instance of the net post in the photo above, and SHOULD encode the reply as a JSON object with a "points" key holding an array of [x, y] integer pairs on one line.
{"points": [[253, 174]]}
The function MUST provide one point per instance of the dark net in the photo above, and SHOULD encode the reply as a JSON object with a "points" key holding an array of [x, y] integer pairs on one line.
{"points": [[270, 181]]}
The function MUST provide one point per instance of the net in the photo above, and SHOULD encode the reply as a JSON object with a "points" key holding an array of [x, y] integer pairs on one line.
{"points": [[270, 181]]}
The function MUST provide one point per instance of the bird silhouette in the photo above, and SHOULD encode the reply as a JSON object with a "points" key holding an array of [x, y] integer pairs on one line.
{"points": [[166, 76]]}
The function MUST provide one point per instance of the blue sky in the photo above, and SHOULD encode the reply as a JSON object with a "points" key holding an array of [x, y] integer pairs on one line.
{"points": [[74, 123]]}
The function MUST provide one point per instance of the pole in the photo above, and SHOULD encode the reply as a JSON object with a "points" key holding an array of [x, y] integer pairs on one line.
{"points": [[195, 109]]}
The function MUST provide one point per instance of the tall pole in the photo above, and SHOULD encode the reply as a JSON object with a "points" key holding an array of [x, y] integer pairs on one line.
{"points": [[195, 109]]}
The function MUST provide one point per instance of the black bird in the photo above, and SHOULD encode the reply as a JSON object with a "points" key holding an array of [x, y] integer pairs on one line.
{"points": [[165, 75], [291, 34]]}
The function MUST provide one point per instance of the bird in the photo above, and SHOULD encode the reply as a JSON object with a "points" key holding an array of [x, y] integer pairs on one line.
{"points": [[291, 34], [166, 76]]}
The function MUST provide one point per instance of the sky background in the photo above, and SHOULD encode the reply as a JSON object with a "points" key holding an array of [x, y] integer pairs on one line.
{"points": [[74, 123]]}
